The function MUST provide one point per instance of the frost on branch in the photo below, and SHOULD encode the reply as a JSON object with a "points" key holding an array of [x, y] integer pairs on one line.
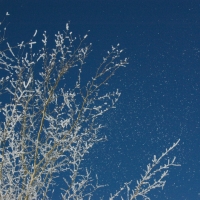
{"points": [[152, 179], [49, 124], [47, 127]]}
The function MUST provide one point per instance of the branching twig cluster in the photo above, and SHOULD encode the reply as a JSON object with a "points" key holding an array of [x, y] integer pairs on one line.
{"points": [[48, 124], [152, 179], [47, 127]]}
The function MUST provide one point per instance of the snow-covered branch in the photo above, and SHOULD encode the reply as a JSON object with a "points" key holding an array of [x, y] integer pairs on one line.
{"points": [[47, 128], [152, 179], [48, 124]]}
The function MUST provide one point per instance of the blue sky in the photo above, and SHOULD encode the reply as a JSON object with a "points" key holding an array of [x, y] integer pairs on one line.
{"points": [[160, 99]]}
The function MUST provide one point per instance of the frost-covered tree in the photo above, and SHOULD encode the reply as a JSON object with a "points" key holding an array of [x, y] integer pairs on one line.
{"points": [[48, 123]]}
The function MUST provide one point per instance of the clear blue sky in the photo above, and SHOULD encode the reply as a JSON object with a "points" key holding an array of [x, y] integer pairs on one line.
{"points": [[160, 88]]}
